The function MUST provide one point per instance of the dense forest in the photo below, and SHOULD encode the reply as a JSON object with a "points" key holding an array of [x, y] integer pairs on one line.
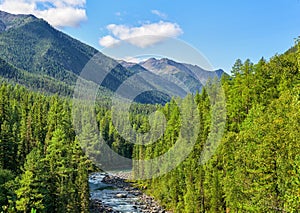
{"points": [[256, 167], [42, 166]]}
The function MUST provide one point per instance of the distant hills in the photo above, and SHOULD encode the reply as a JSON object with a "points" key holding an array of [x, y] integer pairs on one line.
{"points": [[192, 76], [187, 73], [35, 54]]}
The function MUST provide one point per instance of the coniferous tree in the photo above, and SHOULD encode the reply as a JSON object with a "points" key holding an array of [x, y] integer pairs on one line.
{"points": [[32, 192]]}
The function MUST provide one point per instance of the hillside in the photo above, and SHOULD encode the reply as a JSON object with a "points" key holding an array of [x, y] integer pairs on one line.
{"points": [[33, 45], [36, 82], [183, 73], [186, 73], [45, 59], [256, 166]]}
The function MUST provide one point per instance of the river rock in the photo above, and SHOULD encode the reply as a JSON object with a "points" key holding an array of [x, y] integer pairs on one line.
{"points": [[121, 195], [145, 203]]}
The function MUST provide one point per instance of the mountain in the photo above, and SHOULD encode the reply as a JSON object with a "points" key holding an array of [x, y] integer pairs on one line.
{"points": [[188, 74], [203, 75], [35, 54], [31, 44], [38, 53], [8, 20]]}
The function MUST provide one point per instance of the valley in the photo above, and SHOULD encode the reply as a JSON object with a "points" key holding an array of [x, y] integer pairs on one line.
{"points": [[227, 143]]}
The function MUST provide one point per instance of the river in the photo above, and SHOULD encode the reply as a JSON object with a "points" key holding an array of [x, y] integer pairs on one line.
{"points": [[119, 196]]}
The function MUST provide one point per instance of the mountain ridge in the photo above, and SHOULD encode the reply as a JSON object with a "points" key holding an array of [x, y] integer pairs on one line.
{"points": [[191, 75], [34, 48]]}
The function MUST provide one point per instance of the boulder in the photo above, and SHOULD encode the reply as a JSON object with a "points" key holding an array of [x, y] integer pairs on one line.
{"points": [[121, 195]]}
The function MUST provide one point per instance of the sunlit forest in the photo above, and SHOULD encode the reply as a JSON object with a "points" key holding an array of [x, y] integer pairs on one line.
{"points": [[256, 167]]}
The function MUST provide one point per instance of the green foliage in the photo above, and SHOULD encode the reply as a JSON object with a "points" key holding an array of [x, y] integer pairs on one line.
{"points": [[36, 55], [6, 176], [32, 188], [42, 167], [46, 50], [36, 82], [256, 166]]}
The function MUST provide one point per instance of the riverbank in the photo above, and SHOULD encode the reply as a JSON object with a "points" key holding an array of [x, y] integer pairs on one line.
{"points": [[143, 203]]}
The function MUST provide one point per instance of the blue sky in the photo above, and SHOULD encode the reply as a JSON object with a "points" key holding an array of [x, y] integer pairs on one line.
{"points": [[221, 30]]}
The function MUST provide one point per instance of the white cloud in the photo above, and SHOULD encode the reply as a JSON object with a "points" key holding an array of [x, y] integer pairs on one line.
{"points": [[72, 2], [59, 13], [142, 36], [108, 41], [160, 14], [17, 6], [71, 16]]}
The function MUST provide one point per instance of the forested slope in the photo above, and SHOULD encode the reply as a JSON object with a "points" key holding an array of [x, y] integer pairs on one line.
{"points": [[42, 166], [49, 60], [256, 168]]}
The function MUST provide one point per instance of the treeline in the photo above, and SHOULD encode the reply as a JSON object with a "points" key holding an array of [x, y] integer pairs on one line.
{"points": [[35, 82], [42, 166], [256, 167], [44, 162]]}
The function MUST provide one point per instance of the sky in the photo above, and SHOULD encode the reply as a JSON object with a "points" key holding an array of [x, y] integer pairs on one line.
{"points": [[222, 30]]}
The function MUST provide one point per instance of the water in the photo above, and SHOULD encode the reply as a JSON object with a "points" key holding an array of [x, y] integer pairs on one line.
{"points": [[108, 195]]}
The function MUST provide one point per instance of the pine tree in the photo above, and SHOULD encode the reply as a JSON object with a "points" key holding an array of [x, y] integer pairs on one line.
{"points": [[58, 156], [6, 176], [32, 190]]}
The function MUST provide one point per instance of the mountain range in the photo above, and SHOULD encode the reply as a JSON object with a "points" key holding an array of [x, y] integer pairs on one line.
{"points": [[38, 56]]}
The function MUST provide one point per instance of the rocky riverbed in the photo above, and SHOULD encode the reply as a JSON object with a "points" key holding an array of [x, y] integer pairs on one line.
{"points": [[112, 193]]}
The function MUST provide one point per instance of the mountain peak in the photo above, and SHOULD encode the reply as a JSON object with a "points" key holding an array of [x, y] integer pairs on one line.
{"points": [[151, 59], [8, 20], [161, 60], [34, 47], [8, 17], [40, 48], [189, 74]]}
